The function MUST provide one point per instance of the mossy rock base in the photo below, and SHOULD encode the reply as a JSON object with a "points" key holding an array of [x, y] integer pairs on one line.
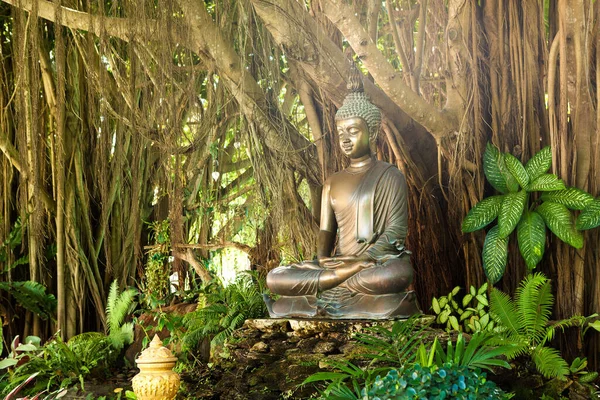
{"points": [[270, 358]]}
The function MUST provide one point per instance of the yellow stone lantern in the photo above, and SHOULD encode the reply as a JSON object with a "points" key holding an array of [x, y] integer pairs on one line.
{"points": [[156, 380]]}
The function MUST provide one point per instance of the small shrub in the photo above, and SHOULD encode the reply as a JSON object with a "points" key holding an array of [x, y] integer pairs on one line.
{"points": [[223, 309], [448, 382], [469, 314]]}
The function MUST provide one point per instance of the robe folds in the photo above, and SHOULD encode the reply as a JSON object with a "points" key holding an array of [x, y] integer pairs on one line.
{"points": [[374, 221]]}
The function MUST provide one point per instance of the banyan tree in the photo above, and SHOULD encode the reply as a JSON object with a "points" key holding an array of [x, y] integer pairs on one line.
{"points": [[215, 115]]}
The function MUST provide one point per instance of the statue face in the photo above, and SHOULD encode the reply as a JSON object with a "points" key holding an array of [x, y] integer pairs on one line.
{"points": [[354, 137]]}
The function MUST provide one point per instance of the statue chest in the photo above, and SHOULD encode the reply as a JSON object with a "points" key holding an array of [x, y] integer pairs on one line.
{"points": [[343, 190]]}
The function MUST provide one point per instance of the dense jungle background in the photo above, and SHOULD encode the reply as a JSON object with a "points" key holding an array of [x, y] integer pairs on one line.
{"points": [[143, 138]]}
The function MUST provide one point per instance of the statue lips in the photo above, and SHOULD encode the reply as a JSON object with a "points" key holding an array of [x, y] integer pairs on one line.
{"points": [[347, 147]]}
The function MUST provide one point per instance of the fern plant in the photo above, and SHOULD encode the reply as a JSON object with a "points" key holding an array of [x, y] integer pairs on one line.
{"points": [[523, 322], [118, 306], [520, 208], [224, 309], [32, 296]]}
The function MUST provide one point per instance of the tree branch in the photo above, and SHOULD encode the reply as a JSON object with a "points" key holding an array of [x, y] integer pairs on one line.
{"points": [[123, 28], [324, 63], [438, 123]]}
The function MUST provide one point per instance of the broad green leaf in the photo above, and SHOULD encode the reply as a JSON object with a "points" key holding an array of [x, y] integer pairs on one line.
{"points": [[590, 216], [531, 235], [435, 305], [491, 169], [539, 164], [482, 214], [443, 317], [495, 170], [517, 170], [482, 300], [454, 322], [467, 299], [466, 315], [571, 197], [495, 255], [8, 362], [483, 288], [559, 220], [26, 347], [510, 212], [546, 182], [485, 320], [595, 325]]}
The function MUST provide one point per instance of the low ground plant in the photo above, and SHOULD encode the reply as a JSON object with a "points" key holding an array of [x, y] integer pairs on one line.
{"points": [[467, 314], [524, 323], [222, 309]]}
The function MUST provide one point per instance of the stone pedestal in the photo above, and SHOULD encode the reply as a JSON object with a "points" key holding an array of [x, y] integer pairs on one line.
{"points": [[269, 358]]}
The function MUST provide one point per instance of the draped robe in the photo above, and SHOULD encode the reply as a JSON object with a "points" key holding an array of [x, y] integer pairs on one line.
{"points": [[374, 221]]}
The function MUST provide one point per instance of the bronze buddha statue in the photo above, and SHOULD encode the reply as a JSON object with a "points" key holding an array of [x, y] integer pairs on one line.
{"points": [[365, 206]]}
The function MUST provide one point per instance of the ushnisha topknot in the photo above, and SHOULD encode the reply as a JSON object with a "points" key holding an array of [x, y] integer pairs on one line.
{"points": [[357, 104]]}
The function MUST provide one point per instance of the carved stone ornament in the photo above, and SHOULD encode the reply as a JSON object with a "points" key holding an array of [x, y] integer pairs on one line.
{"points": [[156, 380]]}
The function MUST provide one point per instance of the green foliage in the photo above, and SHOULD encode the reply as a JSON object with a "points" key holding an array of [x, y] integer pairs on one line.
{"points": [[477, 353], [572, 198], [387, 348], [52, 366], [468, 315], [118, 306], [402, 347], [345, 382], [95, 351], [515, 208], [510, 212], [156, 272], [396, 346], [546, 183], [224, 309], [496, 172], [578, 369], [590, 216], [560, 221], [523, 322], [32, 296], [531, 236], [482, 214], [495, 254], [447, 382], [13, 240], [539, 164], [517, 169]]}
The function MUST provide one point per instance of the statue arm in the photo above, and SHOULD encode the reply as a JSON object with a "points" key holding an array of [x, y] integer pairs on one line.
{"points": [[328, 224]]}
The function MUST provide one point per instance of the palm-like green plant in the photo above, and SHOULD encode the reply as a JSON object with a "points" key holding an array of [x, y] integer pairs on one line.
{"points": [[524, 323], [519, 184], [118, 306], [479, 352], [224, 309]]}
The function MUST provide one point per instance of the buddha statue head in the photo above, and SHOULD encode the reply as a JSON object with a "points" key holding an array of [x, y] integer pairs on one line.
{"points": [[357, 120]]}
